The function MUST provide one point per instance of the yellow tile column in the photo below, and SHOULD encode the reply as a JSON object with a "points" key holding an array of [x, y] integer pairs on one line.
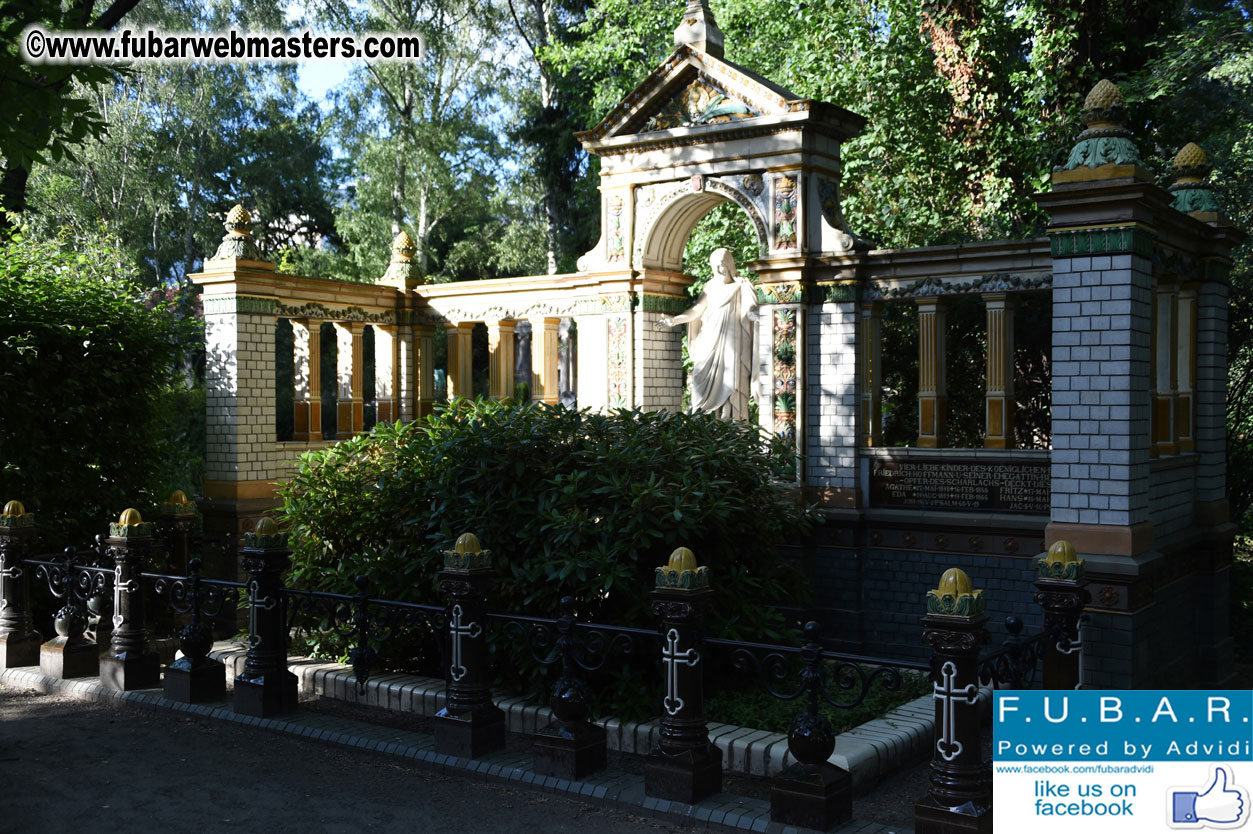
{"points": [[307, 399], [385, 373], [460, 360], [932, 382], [424, 370], [871, 371], [999, 396], [350, 342], [1185, 364], [544, 344], [500, 359], [1165, 368]]}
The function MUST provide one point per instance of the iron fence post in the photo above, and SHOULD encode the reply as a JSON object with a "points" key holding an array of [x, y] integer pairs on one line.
{"points": [[570, 747], [178, 521], [195, 677], [813, 792], [959, 798], [19, 641], [70, 654], [469, 725], [1061, 595], [266, 687], [130, 662], [684, 766]]}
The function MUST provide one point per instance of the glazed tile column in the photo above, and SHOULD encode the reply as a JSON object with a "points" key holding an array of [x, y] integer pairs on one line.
{"points": [[959, 798], [385, 372], [423, 371], [130, 663], [1166, 378], [870, 374], [460, 360], [932, 381], [350, 339], [684, 766], [19, 641], [544, 357], [307, 402], [1185, 365], [500, 350], [266, 687], [999, 396]]}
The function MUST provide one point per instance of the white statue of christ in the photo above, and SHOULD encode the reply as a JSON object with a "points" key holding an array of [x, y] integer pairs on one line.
{"points": [[720, 340]]}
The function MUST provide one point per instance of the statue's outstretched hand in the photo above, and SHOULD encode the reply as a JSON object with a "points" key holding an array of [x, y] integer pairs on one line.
{"points": [[663, 323]]}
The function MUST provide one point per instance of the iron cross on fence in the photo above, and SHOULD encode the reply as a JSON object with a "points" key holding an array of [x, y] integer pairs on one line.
{"points": [[128, 587], [458, 631], [671, 657], [945, 692], [258, 603]]}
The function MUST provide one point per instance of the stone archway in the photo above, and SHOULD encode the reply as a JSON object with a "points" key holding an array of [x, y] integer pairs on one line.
{"points": [[699, 131]]}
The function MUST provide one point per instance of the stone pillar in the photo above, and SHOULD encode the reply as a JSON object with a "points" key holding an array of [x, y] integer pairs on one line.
{"points": [[590, 362], [1060, 592], [460, 360], [351, 416], [684, 766], [999, 396], [266, 687], [19, 641], [386, 348], [130, 663], [870, 374], [959, 797], [932, 381], [1185, 365], [1165, 374], [500, 359], [424, 370], [469, 725], [567, 363], [544, 358], [307, 402]]}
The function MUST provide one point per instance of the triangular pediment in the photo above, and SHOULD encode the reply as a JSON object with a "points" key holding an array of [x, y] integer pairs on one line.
{"points": [[692, 89]]}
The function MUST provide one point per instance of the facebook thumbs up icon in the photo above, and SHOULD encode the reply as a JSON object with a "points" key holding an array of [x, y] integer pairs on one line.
{"points": [[1223, 804]]}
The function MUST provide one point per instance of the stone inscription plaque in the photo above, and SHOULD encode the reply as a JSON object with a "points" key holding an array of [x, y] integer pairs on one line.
{"points": [[955, 484]]}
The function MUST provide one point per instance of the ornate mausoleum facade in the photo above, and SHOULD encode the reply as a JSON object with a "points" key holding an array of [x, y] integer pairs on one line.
{"points": [[1134, 274]]}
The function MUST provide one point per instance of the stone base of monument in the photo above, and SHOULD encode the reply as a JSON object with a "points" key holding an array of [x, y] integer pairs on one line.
{"points": [[570, 751], [932, 818], [20, 650], [66, 657], [127, 673], [688, 777], [469, 735], [267, 695], [190, 683], [812, 796]]}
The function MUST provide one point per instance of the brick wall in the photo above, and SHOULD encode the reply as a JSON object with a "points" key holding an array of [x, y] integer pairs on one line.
{"points": [[831, 395], [658, 363]]}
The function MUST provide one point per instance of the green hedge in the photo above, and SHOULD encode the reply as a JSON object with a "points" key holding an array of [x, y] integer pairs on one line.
{"points": [[568, 502]]}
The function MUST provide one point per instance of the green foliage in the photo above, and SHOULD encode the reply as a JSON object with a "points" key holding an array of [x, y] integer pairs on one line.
{"points": [[99, 417], [568, 502]]}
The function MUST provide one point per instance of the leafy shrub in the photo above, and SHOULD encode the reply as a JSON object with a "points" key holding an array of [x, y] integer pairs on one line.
{"points": [[97, 416], [568, 502]]}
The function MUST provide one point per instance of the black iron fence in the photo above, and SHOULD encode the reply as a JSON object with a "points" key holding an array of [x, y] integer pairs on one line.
{"points": [[101, 592]]}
